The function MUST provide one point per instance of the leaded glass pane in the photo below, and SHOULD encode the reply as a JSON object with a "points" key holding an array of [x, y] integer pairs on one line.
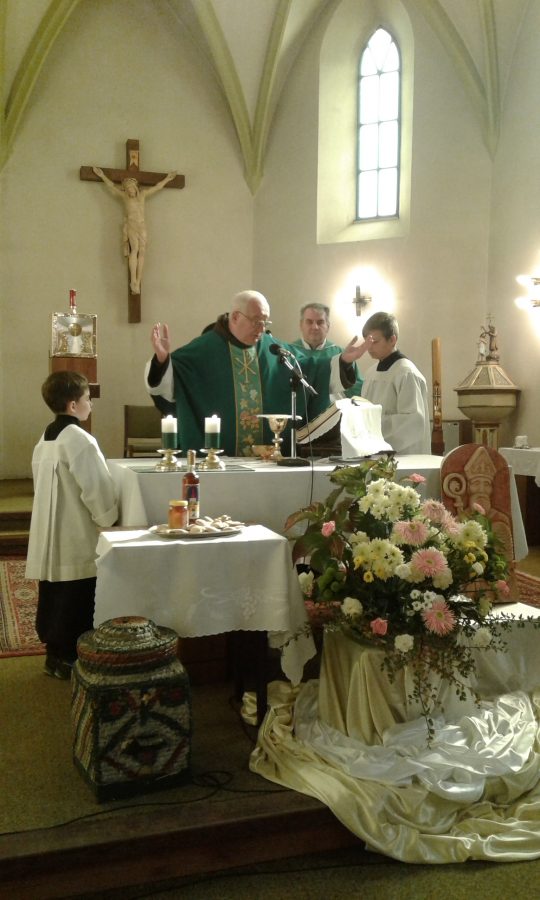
{"points": [[379, 46], [369, 99], [389, 96], [387, 205], [391, 63], [369, 147], [388, 144], [367, 195], [367, 64]]}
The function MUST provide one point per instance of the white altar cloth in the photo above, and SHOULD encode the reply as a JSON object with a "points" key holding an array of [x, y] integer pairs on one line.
{"points": [[260, 492], [243, 582], [474, 794]]}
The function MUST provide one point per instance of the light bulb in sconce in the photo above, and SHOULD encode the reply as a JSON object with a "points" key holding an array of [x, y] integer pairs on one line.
{"points": [[532, 284], [360, 300]]}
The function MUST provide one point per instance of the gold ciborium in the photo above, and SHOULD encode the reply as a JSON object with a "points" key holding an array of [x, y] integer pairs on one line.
{"points": [[277, 423]]}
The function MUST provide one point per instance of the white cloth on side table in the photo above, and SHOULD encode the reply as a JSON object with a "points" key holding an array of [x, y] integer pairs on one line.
{"points": [[243, 582]]}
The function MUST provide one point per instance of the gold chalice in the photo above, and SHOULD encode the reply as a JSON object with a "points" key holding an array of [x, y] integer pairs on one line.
{"points": [[277, 423]]}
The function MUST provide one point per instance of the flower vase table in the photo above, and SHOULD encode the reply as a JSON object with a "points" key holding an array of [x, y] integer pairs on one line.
{"points": [[357, 698]]}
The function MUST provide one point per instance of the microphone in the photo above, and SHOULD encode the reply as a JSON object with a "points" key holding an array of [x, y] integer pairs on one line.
{"points": [[280, 351]]}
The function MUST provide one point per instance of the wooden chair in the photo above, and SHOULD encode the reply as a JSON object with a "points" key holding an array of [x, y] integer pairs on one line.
{"points": [[142, 431], [473, 473]]}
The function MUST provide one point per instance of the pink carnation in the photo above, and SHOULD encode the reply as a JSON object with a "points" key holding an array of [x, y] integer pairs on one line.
{"points": [[503, 587], [379, 626], [479, 509], [416, 478], [439, 618], [328, 529]]}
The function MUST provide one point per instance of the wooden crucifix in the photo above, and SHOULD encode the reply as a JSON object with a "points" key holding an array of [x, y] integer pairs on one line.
{"points": [[133, 198]]}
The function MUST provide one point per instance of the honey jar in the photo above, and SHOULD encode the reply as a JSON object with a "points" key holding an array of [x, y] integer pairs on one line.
{"points": [[178, 513]]}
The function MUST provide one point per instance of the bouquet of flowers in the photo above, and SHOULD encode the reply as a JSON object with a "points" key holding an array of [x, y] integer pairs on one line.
{"points": [[402, 573]]}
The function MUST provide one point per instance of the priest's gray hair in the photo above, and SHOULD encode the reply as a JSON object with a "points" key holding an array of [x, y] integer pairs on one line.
{"points": [[241, 300], [384, 322]]}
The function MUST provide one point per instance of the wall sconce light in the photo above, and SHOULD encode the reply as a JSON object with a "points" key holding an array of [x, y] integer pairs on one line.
{"points": [[532, 283], [361, 300]]}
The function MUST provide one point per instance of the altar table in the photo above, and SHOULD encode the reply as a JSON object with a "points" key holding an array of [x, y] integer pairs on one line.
{"points": [[209, 586], [248, 489], [263, 492]]}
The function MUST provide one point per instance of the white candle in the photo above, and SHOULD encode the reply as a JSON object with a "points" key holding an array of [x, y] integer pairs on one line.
{"points": [[212, 428], [168, 425], [169, 432], [212, 425]]}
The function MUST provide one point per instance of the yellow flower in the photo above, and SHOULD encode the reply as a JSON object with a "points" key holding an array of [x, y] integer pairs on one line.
{"points": [[369, 577], [470, 557]]}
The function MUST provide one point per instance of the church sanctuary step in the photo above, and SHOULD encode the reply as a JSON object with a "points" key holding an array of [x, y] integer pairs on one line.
{"points": [[16, 497]]}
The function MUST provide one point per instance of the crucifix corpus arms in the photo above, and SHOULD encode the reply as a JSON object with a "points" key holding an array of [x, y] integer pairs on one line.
{"points": [[133, 196]]}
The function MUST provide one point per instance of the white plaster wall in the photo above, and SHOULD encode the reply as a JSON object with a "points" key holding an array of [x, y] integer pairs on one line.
{"points": [[438, 273], [113, 76], [515, 239]]}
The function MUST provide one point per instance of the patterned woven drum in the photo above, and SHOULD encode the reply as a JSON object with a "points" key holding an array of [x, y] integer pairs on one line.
{"points": [[130, 709]]}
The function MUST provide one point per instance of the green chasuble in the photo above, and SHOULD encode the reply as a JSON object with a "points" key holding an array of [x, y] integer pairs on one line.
{"points": [[328, 352], [215, 376]]}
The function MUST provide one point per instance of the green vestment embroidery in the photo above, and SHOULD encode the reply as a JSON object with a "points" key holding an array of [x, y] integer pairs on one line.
{"points": [[248, 398]]}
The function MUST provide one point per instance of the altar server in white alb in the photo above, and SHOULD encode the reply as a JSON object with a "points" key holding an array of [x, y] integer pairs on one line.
{"points": [[74, 496], [398, 386]]}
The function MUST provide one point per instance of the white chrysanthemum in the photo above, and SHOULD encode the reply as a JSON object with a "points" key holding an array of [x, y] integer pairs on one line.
{"points": [[403, 571], [443, 580], [470, 533], [482, 637], [358, 537], [415, 594], [377, 487], [306, 582], [477, 567], [351, 607], [403, 643]]}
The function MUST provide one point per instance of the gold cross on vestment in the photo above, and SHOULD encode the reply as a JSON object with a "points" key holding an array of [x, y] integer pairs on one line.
{"points": [[245, 367]]}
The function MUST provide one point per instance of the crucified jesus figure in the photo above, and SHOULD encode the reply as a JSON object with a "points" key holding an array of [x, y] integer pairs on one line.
{"points": [[134, 229]]}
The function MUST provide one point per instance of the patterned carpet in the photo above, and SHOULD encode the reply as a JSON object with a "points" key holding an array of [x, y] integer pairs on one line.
{"points": [[18, 599], [529, 588]]}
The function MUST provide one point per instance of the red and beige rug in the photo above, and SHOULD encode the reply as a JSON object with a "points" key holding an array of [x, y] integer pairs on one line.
{"points": [[529, 588], [18, 601]]}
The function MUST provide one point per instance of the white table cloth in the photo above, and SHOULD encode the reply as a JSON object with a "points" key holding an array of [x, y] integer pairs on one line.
{"points": [[260, 492], [523, 462], [207, 586]]}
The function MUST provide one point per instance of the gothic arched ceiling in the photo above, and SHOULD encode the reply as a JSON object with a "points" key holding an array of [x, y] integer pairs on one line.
{"points": [[250, 46]]}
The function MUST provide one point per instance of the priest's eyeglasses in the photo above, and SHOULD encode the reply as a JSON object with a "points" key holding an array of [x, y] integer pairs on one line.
{"points": [[255, 320]]}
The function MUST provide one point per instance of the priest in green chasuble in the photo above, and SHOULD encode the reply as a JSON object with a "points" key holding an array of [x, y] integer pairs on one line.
{"points": [[314, 328], [230, 371]]}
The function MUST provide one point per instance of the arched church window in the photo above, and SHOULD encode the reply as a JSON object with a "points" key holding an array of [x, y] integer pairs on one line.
{"points": [[378, 150]]}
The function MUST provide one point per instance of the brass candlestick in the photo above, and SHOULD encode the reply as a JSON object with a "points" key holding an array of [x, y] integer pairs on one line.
{"points": [[168, 463], [211, 461]]}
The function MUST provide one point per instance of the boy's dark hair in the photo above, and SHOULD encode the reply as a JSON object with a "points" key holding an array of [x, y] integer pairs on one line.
{"points": [[60, 388], [383, 322]]}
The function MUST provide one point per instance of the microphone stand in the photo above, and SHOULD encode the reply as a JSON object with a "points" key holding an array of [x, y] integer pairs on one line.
{"points": [[296, 379]]}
